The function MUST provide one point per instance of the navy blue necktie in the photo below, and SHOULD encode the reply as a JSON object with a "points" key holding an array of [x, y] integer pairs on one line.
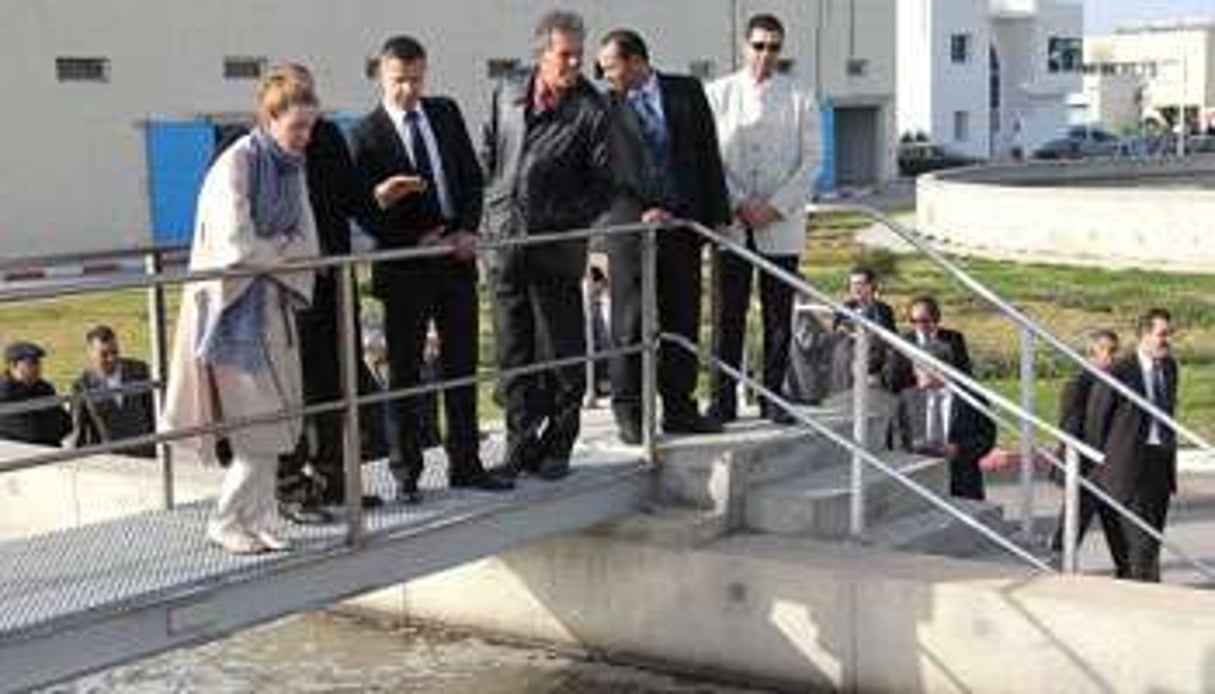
{"points": [[421, 162], [652, 128]]}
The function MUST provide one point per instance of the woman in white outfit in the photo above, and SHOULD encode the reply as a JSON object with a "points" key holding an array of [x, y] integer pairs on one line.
{"points": [[235, 352]]}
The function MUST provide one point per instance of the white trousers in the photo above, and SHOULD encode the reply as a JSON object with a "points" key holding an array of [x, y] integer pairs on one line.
{"points": [[246, 498]]}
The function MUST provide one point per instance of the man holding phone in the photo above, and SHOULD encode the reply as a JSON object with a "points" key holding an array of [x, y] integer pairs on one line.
{"points": [[414, 154]]}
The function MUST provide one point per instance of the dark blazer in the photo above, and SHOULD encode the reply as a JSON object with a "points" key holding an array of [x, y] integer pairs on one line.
{"points": [[900, 373], [379, 153], [1119, 428], [970, 430], [47, 426], [697, 185], [334, 189], [545, 173], [103, 419]]}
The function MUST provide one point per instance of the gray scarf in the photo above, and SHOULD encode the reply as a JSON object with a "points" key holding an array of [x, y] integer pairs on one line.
{"points": [[276, 182]]}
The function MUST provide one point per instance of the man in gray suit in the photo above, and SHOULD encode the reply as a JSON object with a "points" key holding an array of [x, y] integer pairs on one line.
{"points": [[105, 408]]}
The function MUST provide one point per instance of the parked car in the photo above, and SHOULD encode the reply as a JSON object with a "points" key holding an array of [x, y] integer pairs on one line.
{"points": [[1081, 141], [916, 158]]}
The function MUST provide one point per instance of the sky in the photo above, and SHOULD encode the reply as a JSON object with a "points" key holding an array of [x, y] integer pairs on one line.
{"points": [[1102, 16]]}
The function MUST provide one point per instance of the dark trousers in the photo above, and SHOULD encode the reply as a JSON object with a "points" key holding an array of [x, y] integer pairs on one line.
{"points": [[1136, 555], [443, 290], [319, 358], [679, 287], [1089, 507], [965, 477], [539, 317], [734, 277]]}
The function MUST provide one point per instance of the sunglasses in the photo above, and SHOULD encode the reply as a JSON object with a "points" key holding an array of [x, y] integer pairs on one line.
{"points": [[765, 46]]}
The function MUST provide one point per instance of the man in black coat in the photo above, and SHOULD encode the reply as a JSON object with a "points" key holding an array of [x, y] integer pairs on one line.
{"points": [[1073, 409], [925, 318], [663, 128], [934, 419], [862, 298], [101, 411], [1140, 469], [22, 381], [414, 152], [546, 158]]}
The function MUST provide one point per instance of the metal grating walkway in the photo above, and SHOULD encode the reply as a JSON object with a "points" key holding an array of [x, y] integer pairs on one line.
{"points": [[61, 592]]}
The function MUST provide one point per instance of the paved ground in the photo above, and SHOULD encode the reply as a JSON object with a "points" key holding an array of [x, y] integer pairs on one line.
{"points": [[1191, 526]]}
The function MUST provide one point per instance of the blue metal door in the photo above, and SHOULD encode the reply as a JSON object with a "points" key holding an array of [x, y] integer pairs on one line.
{"points": [[178, 155], [826, 173]]}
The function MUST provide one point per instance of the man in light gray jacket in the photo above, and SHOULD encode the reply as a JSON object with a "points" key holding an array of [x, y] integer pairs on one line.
{"points": [[768, 132]]}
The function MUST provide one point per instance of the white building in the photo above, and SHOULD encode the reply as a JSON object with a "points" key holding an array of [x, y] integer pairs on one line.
{"points": [[984, 76], [112, 106], [1150, 73]]}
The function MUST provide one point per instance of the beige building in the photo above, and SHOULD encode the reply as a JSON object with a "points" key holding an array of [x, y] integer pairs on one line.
{"points": [[1151, 73], [113, 106]]}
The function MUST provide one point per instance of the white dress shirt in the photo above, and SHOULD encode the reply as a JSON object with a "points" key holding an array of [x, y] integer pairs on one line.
{"points": [[432, 150], [770, 146], [1147, 366]]}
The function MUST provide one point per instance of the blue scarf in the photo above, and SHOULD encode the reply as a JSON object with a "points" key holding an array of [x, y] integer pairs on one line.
{"points": [[276, 181]]}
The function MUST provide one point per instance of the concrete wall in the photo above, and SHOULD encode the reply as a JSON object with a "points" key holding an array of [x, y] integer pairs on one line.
{"points": [[76, 176], [1104, 213], [812, 616]]}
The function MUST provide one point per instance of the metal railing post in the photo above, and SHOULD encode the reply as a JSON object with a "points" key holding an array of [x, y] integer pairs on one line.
{"points": [[1027, 432], [158, 355], [352, 455], [588, 330], [860, 429], [1071, 511], [649, 342]]}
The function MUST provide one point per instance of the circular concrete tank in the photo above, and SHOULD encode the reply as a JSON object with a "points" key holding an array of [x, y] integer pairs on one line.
{"points": [[1154, 214]]}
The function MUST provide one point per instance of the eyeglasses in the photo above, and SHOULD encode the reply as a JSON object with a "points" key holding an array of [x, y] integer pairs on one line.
{"points": [[921, 320], [765, 46]]}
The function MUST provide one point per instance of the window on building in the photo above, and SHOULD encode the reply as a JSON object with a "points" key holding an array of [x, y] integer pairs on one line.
{"points": [[1064, 54], [959, 49], [858, 67], [961, 126], [703, 69], [76, 69], [244, 67], [784, 66], [497, 68]]}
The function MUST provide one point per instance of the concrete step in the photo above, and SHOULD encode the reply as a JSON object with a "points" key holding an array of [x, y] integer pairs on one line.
{"points": [[667, 526], [817, 504], [933, 531], [707, 471]]}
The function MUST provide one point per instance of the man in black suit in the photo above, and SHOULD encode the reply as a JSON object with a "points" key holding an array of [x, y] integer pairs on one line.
{"points": [[1140, 469], [336, 197], [414, 153], [665, 122], [22, 381], [101, 412], [546, 156], [925, 318], [934, 419], [1073, 408]]}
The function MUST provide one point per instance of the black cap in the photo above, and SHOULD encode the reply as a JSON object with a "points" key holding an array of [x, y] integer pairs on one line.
{"points": [[21, 351]]}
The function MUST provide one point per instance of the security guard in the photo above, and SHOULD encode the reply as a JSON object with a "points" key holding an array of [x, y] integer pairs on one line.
{"points": [[22, 381]]}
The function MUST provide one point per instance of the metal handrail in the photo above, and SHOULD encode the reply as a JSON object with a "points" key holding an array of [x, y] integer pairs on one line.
{"points": [[954, 377], [859, 450], [892, 339], [1019, 317], [127, 252], [1092, 488]]}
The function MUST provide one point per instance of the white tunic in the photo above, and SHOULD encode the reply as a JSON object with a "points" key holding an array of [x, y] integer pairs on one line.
{"points": [[770, 145]]}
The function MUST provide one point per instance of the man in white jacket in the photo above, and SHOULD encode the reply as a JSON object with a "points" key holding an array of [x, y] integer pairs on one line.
{"points": [[768, 132]]}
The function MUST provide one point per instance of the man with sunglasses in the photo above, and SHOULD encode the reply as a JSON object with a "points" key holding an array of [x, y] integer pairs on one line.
{"points": [[768, 132]]}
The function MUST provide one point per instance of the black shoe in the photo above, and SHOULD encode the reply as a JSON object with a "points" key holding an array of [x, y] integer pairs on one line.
{"points": [[337, 497], [408, 492], [691, 423], [302, 513], [553, 468], [481, 479], [780, 416], [722, 413], [521, 457]]}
